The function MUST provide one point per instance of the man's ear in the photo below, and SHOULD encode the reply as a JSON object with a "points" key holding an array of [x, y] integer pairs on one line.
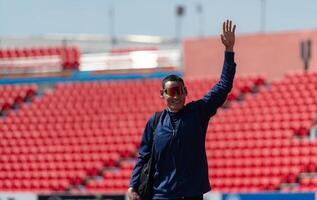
{"points": [[162, 94], [186, 92]]}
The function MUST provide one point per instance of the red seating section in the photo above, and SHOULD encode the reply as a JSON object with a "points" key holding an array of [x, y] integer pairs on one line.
{"points": [[75, 131], [14, 95], [307, 184], [260, 144], [69, 55], [114, 181], [254, 145], [79, 130], [197, 87], [117, 180]]}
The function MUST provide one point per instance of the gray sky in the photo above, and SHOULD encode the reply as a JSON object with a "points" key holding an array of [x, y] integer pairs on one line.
{"points": [[151, 17]]}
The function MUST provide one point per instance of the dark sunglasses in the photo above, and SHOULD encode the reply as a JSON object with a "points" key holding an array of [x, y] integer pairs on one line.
{"points": [[179, 90]]}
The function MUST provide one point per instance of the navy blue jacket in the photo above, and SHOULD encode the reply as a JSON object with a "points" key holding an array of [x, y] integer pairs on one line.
{"points": [[181, 168]]}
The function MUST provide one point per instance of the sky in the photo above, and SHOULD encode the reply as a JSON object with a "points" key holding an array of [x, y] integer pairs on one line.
{"points": [[153, 17]]}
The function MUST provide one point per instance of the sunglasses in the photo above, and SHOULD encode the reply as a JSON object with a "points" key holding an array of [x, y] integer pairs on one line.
{"points": [[178, 90]]}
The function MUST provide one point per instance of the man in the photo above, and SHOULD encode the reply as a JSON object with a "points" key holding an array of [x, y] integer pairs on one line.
{"points": [[181, 169]]}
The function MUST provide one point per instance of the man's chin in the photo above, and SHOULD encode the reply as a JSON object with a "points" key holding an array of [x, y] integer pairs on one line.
{"points": [[176, 108]]}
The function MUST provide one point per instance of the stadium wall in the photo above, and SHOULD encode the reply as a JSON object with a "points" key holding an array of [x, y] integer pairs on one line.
{"points": [[272, 54]]}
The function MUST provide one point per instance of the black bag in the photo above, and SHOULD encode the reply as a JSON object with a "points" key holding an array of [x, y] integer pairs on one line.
{"points": [[145, 188]]}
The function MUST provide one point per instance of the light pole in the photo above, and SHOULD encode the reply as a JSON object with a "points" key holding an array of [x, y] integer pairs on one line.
{"points": [[199, 9], [180, 11], [263, 16], [111, 24]]}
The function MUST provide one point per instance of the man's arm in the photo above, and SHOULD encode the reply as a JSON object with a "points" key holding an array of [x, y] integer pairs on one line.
{"points": [[218, 94], [144, 154]]}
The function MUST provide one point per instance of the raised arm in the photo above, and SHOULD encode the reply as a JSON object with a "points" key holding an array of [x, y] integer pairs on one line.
{"points": [[218, 94]]}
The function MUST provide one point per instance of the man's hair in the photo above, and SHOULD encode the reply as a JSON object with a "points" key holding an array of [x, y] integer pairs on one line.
{"points": [[172, 77]]}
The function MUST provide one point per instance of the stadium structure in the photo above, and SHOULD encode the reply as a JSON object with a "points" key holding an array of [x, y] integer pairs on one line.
{"points": [[73, 109]]}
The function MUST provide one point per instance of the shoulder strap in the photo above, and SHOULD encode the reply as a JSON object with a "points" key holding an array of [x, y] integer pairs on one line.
{"points": [[156, 121]]}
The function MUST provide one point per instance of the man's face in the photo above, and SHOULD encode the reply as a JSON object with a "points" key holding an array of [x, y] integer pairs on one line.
{"points": [[175, 95]]}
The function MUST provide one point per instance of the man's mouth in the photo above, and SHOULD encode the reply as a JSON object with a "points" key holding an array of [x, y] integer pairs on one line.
{"points": [[176, 101]]}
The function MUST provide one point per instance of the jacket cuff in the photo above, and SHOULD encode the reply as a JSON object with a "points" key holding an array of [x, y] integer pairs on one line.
{"points": [[133, 186], [229, 57]]}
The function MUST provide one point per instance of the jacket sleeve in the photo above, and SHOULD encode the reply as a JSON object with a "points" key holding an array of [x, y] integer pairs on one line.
{"points": [[144, 153], [218, 94]]}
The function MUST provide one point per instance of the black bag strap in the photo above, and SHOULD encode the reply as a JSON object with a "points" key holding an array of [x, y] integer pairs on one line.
{"points": [[157, 116], [155, 123], [145, 187]]}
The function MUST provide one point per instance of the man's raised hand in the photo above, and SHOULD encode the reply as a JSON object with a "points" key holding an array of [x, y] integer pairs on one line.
{"points": [[228, 35]]}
